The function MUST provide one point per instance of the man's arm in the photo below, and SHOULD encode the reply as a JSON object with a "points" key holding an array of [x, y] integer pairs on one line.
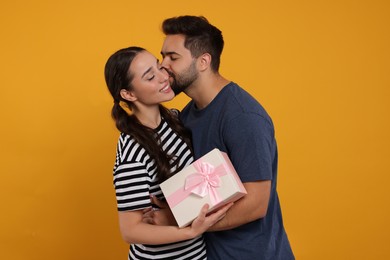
{"points": [[252, 206]]}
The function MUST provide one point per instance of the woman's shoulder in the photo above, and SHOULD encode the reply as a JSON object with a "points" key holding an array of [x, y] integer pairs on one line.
{"points": [[126, 143]]}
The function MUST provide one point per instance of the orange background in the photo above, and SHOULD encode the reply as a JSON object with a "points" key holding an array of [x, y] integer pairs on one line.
{"points": [[321, 69]]}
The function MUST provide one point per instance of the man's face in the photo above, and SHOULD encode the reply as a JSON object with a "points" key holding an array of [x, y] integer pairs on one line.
{"points": [[179, 62]]}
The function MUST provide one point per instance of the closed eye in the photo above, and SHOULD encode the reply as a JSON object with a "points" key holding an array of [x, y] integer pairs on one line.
{"points": [[171, 55]]}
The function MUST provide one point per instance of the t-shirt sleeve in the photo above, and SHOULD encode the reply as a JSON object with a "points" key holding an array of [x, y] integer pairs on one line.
{"points": [[251, 146], [131, 182]]}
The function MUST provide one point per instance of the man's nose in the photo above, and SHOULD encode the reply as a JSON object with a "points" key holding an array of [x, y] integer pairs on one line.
{"points": [[165, 63]]}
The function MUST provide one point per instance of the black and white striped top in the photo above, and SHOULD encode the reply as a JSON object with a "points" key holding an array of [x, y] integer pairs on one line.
{"points": [[135, 179]]}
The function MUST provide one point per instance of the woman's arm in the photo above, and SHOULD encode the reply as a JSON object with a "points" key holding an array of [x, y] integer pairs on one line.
{"points": [[252, 206], [134, 230]]}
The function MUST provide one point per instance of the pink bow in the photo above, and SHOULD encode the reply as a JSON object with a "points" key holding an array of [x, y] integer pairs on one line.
{"points": [[205, 181]]}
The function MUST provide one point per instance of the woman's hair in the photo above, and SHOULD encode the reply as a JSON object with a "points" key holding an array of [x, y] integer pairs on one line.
{"points": [[200, 36], [118, 77]]}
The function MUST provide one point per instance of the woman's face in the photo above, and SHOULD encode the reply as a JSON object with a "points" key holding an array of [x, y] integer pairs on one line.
{"points": [[150, 81]]}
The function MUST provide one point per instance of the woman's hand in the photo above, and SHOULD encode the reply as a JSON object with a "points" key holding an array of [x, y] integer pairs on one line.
{"points": [[203, 222], [164, 217]]}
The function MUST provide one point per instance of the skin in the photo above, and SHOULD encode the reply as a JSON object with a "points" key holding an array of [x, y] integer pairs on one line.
{"points": [[203, 89], [150, 87]]}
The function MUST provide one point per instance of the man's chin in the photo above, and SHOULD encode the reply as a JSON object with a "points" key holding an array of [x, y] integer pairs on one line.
{"points": [[177, 90]]}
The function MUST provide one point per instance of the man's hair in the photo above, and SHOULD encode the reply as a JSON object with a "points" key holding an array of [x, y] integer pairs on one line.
{"points": [[200, 36]]}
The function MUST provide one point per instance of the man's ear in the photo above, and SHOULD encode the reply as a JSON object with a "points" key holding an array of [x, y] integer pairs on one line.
{"points": [[128, 95], [204, 61]]}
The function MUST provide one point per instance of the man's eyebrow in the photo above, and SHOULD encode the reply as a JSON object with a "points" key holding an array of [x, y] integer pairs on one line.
{"points": [[168, 53]]}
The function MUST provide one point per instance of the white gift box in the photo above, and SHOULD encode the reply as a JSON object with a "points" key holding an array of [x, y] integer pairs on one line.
{"points": [[211, 179]]}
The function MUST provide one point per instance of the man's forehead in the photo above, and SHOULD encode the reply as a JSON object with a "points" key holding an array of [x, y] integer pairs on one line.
{"points": [[173, 44], [176, 40]]}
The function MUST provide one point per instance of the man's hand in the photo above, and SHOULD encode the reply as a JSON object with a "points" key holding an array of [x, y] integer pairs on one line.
{"points": [[161, 216]]}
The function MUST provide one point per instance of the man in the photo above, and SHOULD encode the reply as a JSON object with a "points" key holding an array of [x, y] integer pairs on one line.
{"points": [[222, 115]]}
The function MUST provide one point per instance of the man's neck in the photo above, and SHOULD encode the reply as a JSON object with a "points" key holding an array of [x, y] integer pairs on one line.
{"points": [[205, 90]]}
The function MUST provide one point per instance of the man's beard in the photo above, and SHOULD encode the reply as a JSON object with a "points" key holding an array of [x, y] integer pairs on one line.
{"points": [[181, 82]]}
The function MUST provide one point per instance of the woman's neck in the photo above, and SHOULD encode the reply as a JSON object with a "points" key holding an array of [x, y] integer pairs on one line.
{"points": [[148, 116]]}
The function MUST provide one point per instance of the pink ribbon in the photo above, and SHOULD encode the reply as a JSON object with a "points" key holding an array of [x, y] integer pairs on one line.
{"points": [[204, 181]]}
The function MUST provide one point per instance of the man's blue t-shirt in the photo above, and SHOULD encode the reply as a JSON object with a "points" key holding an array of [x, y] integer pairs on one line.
{"points": [[235, 123]]}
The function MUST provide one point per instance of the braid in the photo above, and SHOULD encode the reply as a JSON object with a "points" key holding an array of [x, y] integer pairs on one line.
{"points": [[147, 137]]}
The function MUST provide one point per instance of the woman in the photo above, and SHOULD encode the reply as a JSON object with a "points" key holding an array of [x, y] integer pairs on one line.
{"points": [[152, 146]]}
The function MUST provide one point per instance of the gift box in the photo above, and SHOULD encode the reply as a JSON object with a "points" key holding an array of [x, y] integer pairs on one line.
{"points": [[211, 179]]}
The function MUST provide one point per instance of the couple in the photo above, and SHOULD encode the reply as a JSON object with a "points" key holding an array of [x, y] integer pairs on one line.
{"points": [[156, 142]]}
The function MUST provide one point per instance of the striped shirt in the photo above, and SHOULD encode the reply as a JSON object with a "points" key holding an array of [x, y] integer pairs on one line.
{"points": [[135, 178]]}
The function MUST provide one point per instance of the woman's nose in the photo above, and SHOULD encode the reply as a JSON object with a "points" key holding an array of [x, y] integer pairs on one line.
{"points": [[164, 76]]}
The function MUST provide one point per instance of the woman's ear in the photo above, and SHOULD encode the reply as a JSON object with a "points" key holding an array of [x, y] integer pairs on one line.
{"points": [[128, 95], [204, 61]]}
